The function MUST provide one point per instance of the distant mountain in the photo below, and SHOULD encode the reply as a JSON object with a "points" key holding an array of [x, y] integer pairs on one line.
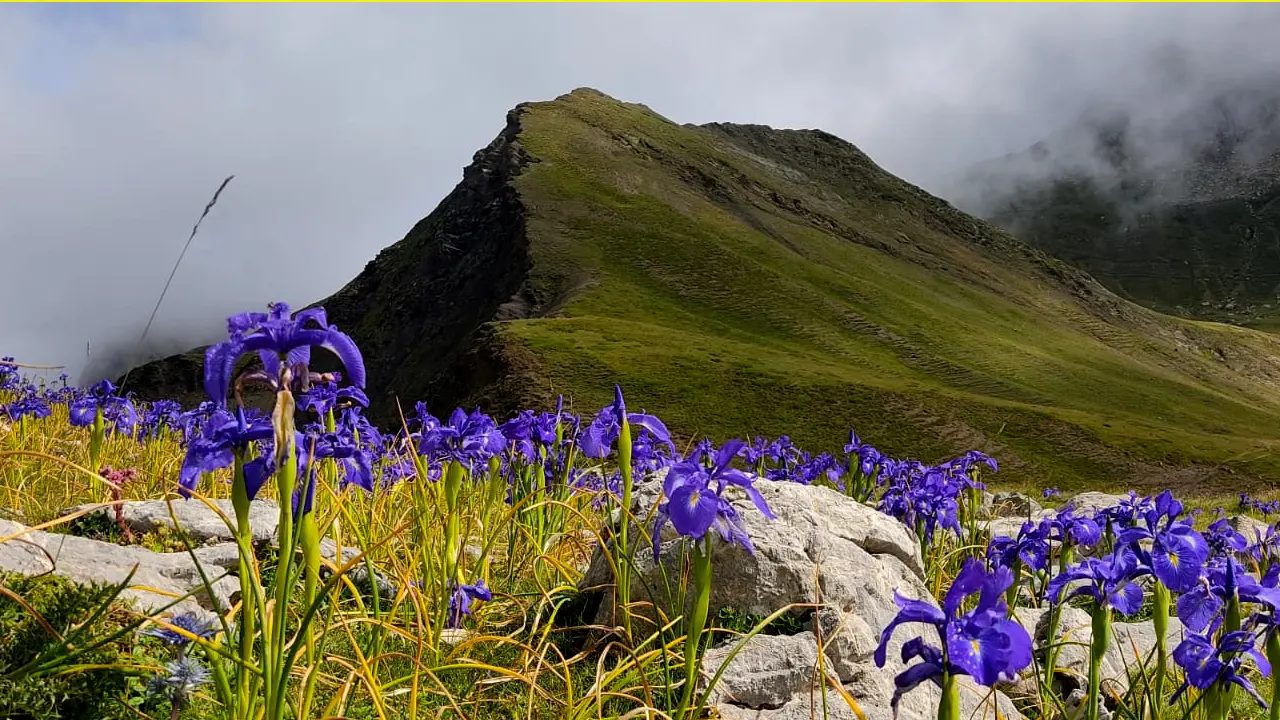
{"points": [[740, 280], [1179, 212]]}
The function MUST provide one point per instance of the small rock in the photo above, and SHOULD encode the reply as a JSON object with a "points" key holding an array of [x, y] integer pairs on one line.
{"points": [[1091, 502], [1014, 505], [1076, 710]]}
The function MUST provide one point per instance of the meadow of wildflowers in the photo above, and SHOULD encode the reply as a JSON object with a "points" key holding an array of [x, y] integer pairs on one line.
{"points": [[483, 527]]}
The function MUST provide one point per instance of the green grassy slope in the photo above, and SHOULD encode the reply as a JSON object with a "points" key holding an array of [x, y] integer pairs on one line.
{"points": [[738, 280]]}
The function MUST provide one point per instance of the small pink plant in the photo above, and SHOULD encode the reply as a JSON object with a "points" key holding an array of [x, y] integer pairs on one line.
{"points": [[117, 480]]}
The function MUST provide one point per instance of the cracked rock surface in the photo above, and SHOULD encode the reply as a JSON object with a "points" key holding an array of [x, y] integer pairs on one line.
{"points": [[158, 578], [824, 549]]}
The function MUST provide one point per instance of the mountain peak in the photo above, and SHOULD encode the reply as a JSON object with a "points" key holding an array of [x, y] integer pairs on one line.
{"points": [[741, 280]]}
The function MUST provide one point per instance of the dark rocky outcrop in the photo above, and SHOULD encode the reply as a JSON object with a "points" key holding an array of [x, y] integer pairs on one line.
{"points": [[418, 309]]}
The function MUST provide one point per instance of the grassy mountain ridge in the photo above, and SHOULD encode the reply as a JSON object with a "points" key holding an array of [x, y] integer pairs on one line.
{"points": [[740, 280]]}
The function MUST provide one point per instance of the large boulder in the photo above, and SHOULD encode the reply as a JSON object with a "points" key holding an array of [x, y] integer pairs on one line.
{"points": [[823, 550], [205, 524], [157, 578], [160, 577], [199, 521], [1250, 527], [1132, 645]]}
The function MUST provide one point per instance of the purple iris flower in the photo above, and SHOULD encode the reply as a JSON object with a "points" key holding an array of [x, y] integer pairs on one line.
{"points": [[601, 435], [1269, 507], [192, 422], [528, 432], [352, 422], [784, 456], [648, 454], [470, 439], [1031, 547], [1226, 580], [118, 412], [281, 341], [9, 377], [323, 397], [1051, 492], [923, 498], [965, 464], [29, 403], [355, 467], [695, 502], [1224, 539], [1126, 512], [1065, 527], [869, 458], [162, 415], [1109, 581], [1264, 547], [981, 643], [1178, 553], [462, 598], [421, 420], [214, 447], [754, 454], [1207, 664], [821, 466]]}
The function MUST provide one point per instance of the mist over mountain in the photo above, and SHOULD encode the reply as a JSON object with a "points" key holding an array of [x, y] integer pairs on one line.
{"points": [[1189, 133], [1169, 200]]}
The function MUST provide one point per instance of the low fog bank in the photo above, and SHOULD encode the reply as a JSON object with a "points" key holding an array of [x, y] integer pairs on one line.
{"points": [[1188, 133]]}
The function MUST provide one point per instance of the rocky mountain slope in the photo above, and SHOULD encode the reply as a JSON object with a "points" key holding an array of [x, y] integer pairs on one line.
{"points": [[741, 280], [1179, 212]]}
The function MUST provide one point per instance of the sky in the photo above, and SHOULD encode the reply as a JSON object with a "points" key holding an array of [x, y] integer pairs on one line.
{"points": [[345, 124]]}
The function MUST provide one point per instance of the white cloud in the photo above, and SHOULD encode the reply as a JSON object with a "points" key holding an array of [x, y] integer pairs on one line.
{"points": [[345, 124]]}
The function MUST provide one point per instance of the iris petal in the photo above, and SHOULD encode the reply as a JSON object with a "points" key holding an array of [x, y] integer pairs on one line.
{"points": [[692, 510]]}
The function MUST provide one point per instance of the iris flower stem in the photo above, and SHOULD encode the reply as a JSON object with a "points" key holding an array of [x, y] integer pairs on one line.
{"points": [[1160, 621], [1011, 595], [624, 519], [697, 620], [286, 478], [1097, 652], [495, 500], [97, 436], [974, 496], [1055, 617], [1273, 656], [453, 523], [949, 705], [309, 538], [1218, 696], [248, 593]]}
